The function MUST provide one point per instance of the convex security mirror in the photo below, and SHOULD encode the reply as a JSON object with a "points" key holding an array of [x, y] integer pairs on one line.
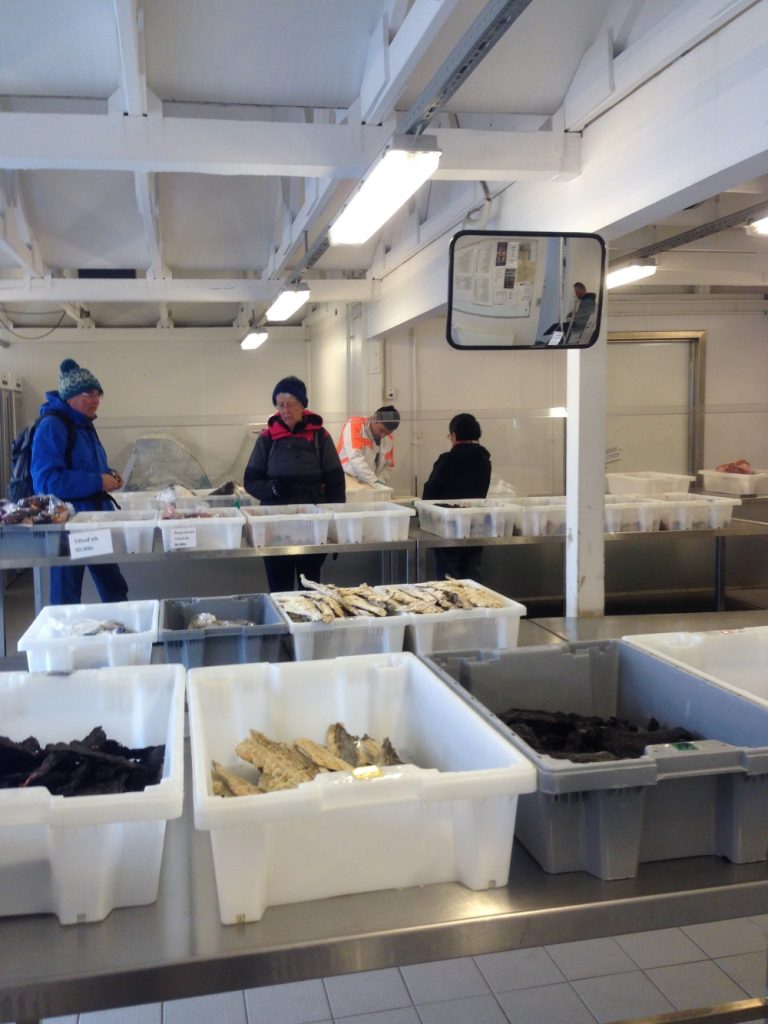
{"points": [[525, 290]]}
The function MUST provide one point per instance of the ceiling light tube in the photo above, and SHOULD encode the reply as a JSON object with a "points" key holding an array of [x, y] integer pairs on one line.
{"points": [[254, 339], [288, 302], [406, 164], [633, 272], [758, 227]]}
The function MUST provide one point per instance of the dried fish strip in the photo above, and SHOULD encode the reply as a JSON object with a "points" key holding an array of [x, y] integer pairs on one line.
{"points": [[281, 766], [340, 743], [227, 783], [321, 756], [302, 608]]}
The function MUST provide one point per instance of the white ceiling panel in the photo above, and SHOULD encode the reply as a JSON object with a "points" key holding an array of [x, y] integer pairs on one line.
{"points": [[85, 219], [303, 52]]}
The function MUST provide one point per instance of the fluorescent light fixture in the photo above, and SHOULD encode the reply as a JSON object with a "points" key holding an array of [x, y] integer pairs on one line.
{"points": [[254, 339], [406, 164], [288, 302], [758, 227], [634, 272]]}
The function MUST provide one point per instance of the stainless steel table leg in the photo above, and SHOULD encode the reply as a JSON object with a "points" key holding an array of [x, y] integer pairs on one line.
{"points": [[720, 574], [38, 585]]}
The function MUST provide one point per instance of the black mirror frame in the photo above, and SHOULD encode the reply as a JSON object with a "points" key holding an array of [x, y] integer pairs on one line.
{"points": [[524, 234]]}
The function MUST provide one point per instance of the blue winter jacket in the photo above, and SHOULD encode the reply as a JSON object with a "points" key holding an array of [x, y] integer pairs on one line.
{"points": [[82, 484]]}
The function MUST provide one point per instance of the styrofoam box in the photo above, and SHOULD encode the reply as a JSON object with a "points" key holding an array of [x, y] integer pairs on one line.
{"points": [[368, 523], [735, 658], [132, 532], [80, 857], [286, 525], [222, 644], [646, 482], [696, 511], [223, 530], [51, 647], [735, 483], [363, 634], [467, 517], [447, 816], [458, 628], [699, 798]]}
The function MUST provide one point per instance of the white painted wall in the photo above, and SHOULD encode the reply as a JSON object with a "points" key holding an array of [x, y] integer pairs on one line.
{"points": [[204, 395]]}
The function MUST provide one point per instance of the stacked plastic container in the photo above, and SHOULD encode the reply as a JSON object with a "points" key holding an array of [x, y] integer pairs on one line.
{"points": [[447, 814], [708, 796], [287, 525], [368, 523], [735, 483], [222, 530], [131, 532], [470, 517]]}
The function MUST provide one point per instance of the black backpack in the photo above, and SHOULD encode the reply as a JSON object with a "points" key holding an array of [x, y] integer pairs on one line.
{"points": [[20, 484]]}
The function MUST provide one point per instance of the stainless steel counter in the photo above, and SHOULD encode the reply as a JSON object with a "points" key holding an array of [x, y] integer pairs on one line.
{"points": [[177, 946]]}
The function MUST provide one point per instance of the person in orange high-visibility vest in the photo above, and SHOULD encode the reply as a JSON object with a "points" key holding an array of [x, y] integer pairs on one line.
{"points": [[365, 447]]}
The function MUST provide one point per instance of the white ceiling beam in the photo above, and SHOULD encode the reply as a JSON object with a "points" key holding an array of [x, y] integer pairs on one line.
{"points": [[130, 335], [173, 290], [390, 64], [16, 238], [689, 23], [146, 197], [129, 19], [205, 146]]}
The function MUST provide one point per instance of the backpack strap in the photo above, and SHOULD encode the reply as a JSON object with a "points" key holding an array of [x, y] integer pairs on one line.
{"points": [[71, 433]]}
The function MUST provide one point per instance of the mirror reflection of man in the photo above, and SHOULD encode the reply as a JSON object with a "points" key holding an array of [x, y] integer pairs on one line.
{"points": [[366, 448], [570, 330]]}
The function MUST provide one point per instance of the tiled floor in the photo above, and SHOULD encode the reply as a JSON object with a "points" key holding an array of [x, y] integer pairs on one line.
{"points": [[599, 980]]}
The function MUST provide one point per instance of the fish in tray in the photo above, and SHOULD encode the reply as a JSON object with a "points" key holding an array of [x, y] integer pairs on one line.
{"points": [[288, 765], [440, 596]]}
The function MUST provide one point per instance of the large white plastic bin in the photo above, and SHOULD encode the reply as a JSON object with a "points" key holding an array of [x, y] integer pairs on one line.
{"points": [[368, 523], [278, 526], [132, 532], [459, 628], [80, 857], [735, 483], [447, 817], [223, 530], [357, 491], [705, 797], [646, 482], [362, 634], [736, 658], [469, 517], [51, 643]]}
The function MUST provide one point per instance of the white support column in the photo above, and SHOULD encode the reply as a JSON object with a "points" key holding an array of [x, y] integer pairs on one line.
{"points": [[585, 479]]}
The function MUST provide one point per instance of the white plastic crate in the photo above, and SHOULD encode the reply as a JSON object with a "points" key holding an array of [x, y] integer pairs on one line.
{"points": [[733, 658], [696, 511], [275, 526], [468, 517], [368, 523], [646, 482], [80, 857], [457, 629], [52, 644], [448, 816], [735, 483], [637, 516], [357, 491], [132, 532], [136, 501], [363, 634], [543, 520], [222, 530]]}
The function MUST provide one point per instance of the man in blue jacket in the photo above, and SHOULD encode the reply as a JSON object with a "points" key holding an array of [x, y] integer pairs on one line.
{"points": [[76, 472]]}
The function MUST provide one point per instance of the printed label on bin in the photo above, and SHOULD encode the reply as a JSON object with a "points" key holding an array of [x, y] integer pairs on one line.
{"points": [[84, 543], [183, 537]]}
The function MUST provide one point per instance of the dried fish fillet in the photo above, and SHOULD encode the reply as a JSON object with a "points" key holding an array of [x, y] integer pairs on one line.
{"points": [[227, 783], [342, 744], [321, 756], [281, 766]]}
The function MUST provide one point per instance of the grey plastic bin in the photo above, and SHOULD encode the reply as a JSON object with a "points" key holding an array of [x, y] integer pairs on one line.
{"points": [[222, 645], [44, 541], [709, 797]]}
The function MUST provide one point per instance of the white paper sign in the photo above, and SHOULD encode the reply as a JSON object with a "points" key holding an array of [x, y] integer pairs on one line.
{"points": [[84, 543], [183, 537]]}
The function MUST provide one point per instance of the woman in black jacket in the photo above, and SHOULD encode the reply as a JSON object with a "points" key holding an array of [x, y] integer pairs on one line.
{"points": [[462, 472], [294, 462]]}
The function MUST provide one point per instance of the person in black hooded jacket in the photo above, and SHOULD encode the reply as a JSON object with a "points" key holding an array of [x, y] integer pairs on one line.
{"points": [[462, 472]]}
